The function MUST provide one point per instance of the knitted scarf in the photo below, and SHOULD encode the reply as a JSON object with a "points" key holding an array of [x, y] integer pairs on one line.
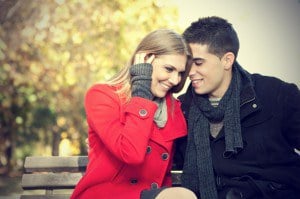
{"points": [[198, 174], [161, 115]]}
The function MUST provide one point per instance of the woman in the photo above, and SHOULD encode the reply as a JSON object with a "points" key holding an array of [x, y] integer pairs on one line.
{"points": [[133, 120]]}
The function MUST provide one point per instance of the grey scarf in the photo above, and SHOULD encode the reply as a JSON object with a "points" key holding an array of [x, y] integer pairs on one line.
{"points": [[161, 116], [198, 173]]}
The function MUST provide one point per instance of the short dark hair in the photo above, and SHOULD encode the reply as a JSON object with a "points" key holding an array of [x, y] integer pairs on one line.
{"points": [[216, 33]]}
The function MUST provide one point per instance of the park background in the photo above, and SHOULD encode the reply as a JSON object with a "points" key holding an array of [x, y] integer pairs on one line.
{"points": [[51, 51]]}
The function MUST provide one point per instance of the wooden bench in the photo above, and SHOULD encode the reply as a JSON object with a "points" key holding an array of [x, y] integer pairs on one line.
{"points": [[55, 177]]}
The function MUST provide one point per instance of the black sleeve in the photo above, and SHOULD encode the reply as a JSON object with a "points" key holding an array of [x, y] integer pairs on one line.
{"points": [[291, 101], [180, 146]]}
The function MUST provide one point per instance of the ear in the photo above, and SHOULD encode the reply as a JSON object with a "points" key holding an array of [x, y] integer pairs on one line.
{"points": [[228, 60], [149, 58]]}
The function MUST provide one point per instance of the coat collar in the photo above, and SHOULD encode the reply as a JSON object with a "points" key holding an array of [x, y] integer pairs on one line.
{"points": [[249, 102], [174, 128]]}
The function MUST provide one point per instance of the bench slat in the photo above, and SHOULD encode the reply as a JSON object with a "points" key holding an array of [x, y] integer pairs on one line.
{"points": [[66, 180], [57, 173], [45, 196], [50, 180], [56, 163]]}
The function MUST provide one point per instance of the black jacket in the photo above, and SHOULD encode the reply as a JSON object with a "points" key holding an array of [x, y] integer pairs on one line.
{"points": [[268, 166]]}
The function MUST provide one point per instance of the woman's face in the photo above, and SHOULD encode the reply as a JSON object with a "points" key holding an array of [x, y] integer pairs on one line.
{"points": [[167, 73]]}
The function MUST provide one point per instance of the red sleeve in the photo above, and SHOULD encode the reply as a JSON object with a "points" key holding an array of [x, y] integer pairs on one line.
{"points": [[124, 129]]}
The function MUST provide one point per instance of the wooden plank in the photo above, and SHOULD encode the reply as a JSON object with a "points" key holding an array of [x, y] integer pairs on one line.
{"points": [[67, 180], [50, 180], [55, 163], [45, 196], [72, 169]]}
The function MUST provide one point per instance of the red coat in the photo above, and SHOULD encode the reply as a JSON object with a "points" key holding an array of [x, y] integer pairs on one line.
{"points": [[128, 152]]}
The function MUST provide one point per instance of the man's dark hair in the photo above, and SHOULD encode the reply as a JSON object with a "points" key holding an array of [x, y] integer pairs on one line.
{"points": [[216, 33]]}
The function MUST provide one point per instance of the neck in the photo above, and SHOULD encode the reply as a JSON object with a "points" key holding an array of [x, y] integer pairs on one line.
{"points": [[224, 85]]}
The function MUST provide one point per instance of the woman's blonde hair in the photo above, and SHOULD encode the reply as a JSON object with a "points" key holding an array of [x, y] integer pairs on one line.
{"points": [[158, 42]]}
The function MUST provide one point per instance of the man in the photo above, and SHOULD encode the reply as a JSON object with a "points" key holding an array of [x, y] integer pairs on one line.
{"points": [[243, 128]]}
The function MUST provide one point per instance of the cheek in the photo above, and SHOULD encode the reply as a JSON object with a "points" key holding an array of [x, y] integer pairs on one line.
{"points": [[202, 71], [153, 83], [159, 76], [215, 77], [155, 73]]}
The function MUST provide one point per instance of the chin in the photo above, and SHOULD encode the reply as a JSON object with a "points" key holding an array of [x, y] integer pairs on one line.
{"points": [[160, 94], [199, 91]]}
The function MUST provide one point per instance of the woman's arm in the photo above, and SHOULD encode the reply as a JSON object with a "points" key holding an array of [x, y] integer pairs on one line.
{"points": [[124, 129]]}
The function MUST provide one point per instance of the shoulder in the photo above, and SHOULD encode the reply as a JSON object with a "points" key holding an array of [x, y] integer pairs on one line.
{"points": [[260, 80], [272, 90], [272, 84], [101, 91], [101, 87]]}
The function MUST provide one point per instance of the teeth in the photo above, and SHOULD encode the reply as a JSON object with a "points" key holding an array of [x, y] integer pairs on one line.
{"points": [[197, 82]]}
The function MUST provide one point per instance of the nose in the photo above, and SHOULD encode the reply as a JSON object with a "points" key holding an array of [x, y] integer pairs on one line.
{"points": [[175, 79], [192, 71]]}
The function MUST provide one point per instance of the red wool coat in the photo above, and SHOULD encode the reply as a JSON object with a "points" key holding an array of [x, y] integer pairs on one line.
{"points": [[128, 152]]}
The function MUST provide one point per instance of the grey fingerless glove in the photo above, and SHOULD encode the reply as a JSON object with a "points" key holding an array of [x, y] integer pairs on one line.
{"points": [[141, 80]]}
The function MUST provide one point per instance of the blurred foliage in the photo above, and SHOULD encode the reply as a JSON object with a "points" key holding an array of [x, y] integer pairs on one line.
{"points": [[50, 53]]}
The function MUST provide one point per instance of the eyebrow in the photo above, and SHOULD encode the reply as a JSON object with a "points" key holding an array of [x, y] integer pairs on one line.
{"points": [[198, 59], [174, 67]]}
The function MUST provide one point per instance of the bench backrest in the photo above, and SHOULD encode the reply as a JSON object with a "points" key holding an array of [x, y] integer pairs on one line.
{"points": [[56, 173]]}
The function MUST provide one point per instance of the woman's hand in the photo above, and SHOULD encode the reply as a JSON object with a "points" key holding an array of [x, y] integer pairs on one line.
{"points": [[141, 58], [141, 73]]}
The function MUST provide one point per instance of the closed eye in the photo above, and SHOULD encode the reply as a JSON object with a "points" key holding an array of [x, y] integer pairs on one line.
{"points": [[169, 69], [198, 61]]}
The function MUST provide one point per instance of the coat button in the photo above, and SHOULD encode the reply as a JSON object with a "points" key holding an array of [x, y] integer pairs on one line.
{"points": [[133, 181], [164, 156], [148, 149], [143, 112], [254, 105]]}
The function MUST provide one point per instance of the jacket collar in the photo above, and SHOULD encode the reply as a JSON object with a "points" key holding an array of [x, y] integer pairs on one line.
{"points": [[248, 100], [173, 128]]}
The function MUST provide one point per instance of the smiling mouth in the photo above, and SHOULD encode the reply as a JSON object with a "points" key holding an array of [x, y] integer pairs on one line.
{"points": [[197, 82], [167, 87]]}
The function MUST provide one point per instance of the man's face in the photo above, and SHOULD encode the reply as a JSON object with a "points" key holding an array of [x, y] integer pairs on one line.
{"points": [[208, 74]]}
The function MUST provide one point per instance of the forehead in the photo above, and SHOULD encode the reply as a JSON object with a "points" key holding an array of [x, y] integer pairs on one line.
{"points": [[199, 50], [175, 60]]}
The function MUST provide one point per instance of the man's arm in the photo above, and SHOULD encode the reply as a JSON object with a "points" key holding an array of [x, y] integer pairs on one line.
{"points": [[180, 147]]}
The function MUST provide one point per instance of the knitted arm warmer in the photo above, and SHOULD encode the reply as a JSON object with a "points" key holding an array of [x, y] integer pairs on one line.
{"points": [[141, 81]]}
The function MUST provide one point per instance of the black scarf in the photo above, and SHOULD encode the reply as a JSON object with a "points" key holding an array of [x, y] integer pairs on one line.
{"points": [[198, 174]]}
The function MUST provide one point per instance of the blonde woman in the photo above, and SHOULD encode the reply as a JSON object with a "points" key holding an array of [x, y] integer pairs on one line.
{"points": [[133, 121]]}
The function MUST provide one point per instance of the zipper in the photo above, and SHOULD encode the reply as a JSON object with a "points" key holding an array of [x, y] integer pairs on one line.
{"points": [[246, 102]]}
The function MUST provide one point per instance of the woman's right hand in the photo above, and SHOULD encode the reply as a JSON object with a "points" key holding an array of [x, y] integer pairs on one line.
{"points": [[141, 73], [141, 58]]}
